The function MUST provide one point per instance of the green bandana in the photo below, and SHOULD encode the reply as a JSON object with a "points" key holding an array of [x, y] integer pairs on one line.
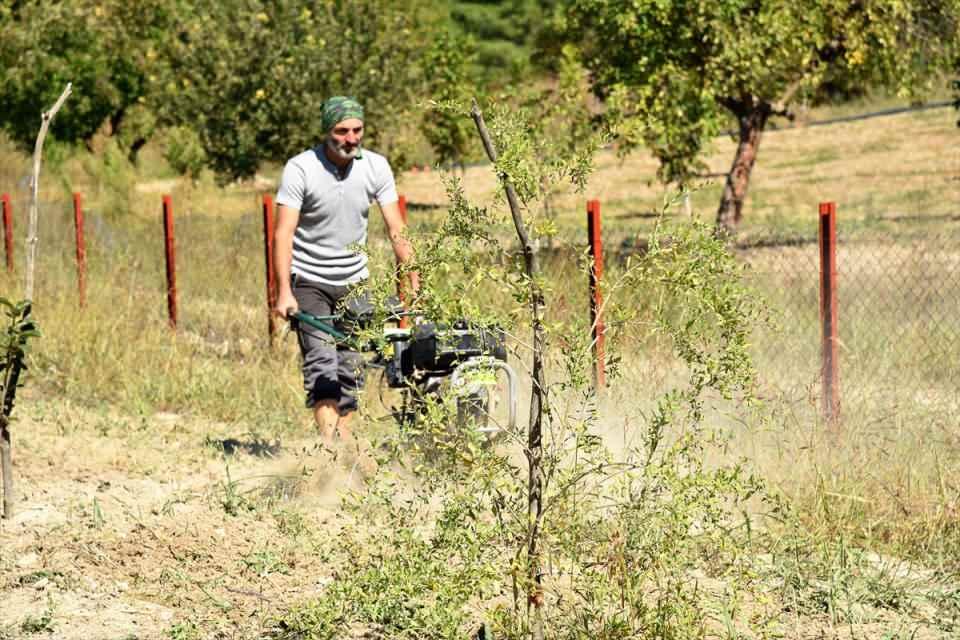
{"points": [[338, 109]]}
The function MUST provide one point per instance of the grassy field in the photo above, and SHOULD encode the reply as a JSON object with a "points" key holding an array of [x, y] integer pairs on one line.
{"points": [[170, 486]]}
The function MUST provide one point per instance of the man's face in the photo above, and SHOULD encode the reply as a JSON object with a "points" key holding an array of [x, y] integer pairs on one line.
{"points": [[344, 139]]}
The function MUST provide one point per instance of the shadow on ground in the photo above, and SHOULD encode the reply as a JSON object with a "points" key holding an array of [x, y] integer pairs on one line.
{"points": [[255, 446]]}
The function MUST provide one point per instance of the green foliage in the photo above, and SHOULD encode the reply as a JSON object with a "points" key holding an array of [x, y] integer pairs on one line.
{"points": [[265, 561], [563, 128], [186, 630], [449, 81], [505, 33], [531, 159], [13, 348], [45, 44], [113, 175], [233, 499], [263, 101], [406, 580], [672, 73], [41, 624], [567, 117], [623, 532], [834, 579], [138, 126], [702, 305], [184, 151], [463, 262], [246, 78]]}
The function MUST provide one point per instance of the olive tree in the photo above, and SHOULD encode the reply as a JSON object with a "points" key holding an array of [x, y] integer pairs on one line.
{"points": [[677, 72], [249, 78], [449, 59], [44, 44]]}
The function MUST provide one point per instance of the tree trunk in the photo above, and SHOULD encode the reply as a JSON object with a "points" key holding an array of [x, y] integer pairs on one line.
{"points": [[6, 465], [752, 118], [133, 153], [538, 396], [15, 367]]}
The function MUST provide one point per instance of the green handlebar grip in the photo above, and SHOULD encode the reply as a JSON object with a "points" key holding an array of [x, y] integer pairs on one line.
{"points": [[317, 323]]}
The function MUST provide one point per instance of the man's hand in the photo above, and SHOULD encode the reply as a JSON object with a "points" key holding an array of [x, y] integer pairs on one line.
{"points": [[286, 305]]}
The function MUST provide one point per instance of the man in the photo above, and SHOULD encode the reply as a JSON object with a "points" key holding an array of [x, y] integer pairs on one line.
{"points": [[324, 197]]}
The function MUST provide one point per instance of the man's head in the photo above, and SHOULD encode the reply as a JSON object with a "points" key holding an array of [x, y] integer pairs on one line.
{"points": [[343, 121]]}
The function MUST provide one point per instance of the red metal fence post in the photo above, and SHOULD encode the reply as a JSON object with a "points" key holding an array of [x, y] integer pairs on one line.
{"points": [[268, 228], [596, 297], [81, 249], [170, 246], [828, 311], [402, 204], [8, 230]]}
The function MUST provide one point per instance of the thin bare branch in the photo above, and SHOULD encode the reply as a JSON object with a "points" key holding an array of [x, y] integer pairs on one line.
{"points": [[46, 117], [15, 365]]}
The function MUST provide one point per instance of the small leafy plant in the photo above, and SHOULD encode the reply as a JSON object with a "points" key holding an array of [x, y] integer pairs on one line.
{"points": [[13, 350], [39, 624]]}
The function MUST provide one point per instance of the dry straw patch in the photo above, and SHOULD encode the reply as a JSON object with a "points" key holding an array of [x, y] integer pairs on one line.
{"points": [[901, 164]]}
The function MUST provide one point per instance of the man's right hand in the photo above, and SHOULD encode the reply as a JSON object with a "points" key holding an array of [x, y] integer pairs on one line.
{"points": [[286, 305]]}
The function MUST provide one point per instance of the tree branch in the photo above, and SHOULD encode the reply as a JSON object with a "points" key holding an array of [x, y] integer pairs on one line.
{"points": [[511, 193], [31, 241]]}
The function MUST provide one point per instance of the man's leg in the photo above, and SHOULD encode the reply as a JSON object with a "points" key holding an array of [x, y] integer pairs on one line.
{"points": [[344, 430], [327, 417], [319, 351]]}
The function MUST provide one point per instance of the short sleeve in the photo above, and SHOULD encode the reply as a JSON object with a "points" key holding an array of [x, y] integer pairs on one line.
{"points": [[292, 186], [386, 192]]}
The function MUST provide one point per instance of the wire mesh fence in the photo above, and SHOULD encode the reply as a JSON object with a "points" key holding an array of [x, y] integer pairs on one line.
{"points": [[898, 296], [220, 261]]}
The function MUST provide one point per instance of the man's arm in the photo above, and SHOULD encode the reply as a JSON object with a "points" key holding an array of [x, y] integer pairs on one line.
{"points": [[402, 248], [287, 219]]}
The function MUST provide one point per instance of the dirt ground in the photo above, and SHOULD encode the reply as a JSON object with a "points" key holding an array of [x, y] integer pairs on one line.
{"points": [[145, 528], [171, 527]]}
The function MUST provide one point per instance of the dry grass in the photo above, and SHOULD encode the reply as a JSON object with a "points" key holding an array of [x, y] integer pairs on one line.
{"points": [[899, 165]]}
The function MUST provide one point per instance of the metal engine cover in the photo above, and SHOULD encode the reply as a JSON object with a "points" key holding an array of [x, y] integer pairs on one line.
{"points": [[439, 349]]}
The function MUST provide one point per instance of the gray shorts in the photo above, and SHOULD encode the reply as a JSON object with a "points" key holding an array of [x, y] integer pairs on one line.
{"points": [[330, 371]]}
